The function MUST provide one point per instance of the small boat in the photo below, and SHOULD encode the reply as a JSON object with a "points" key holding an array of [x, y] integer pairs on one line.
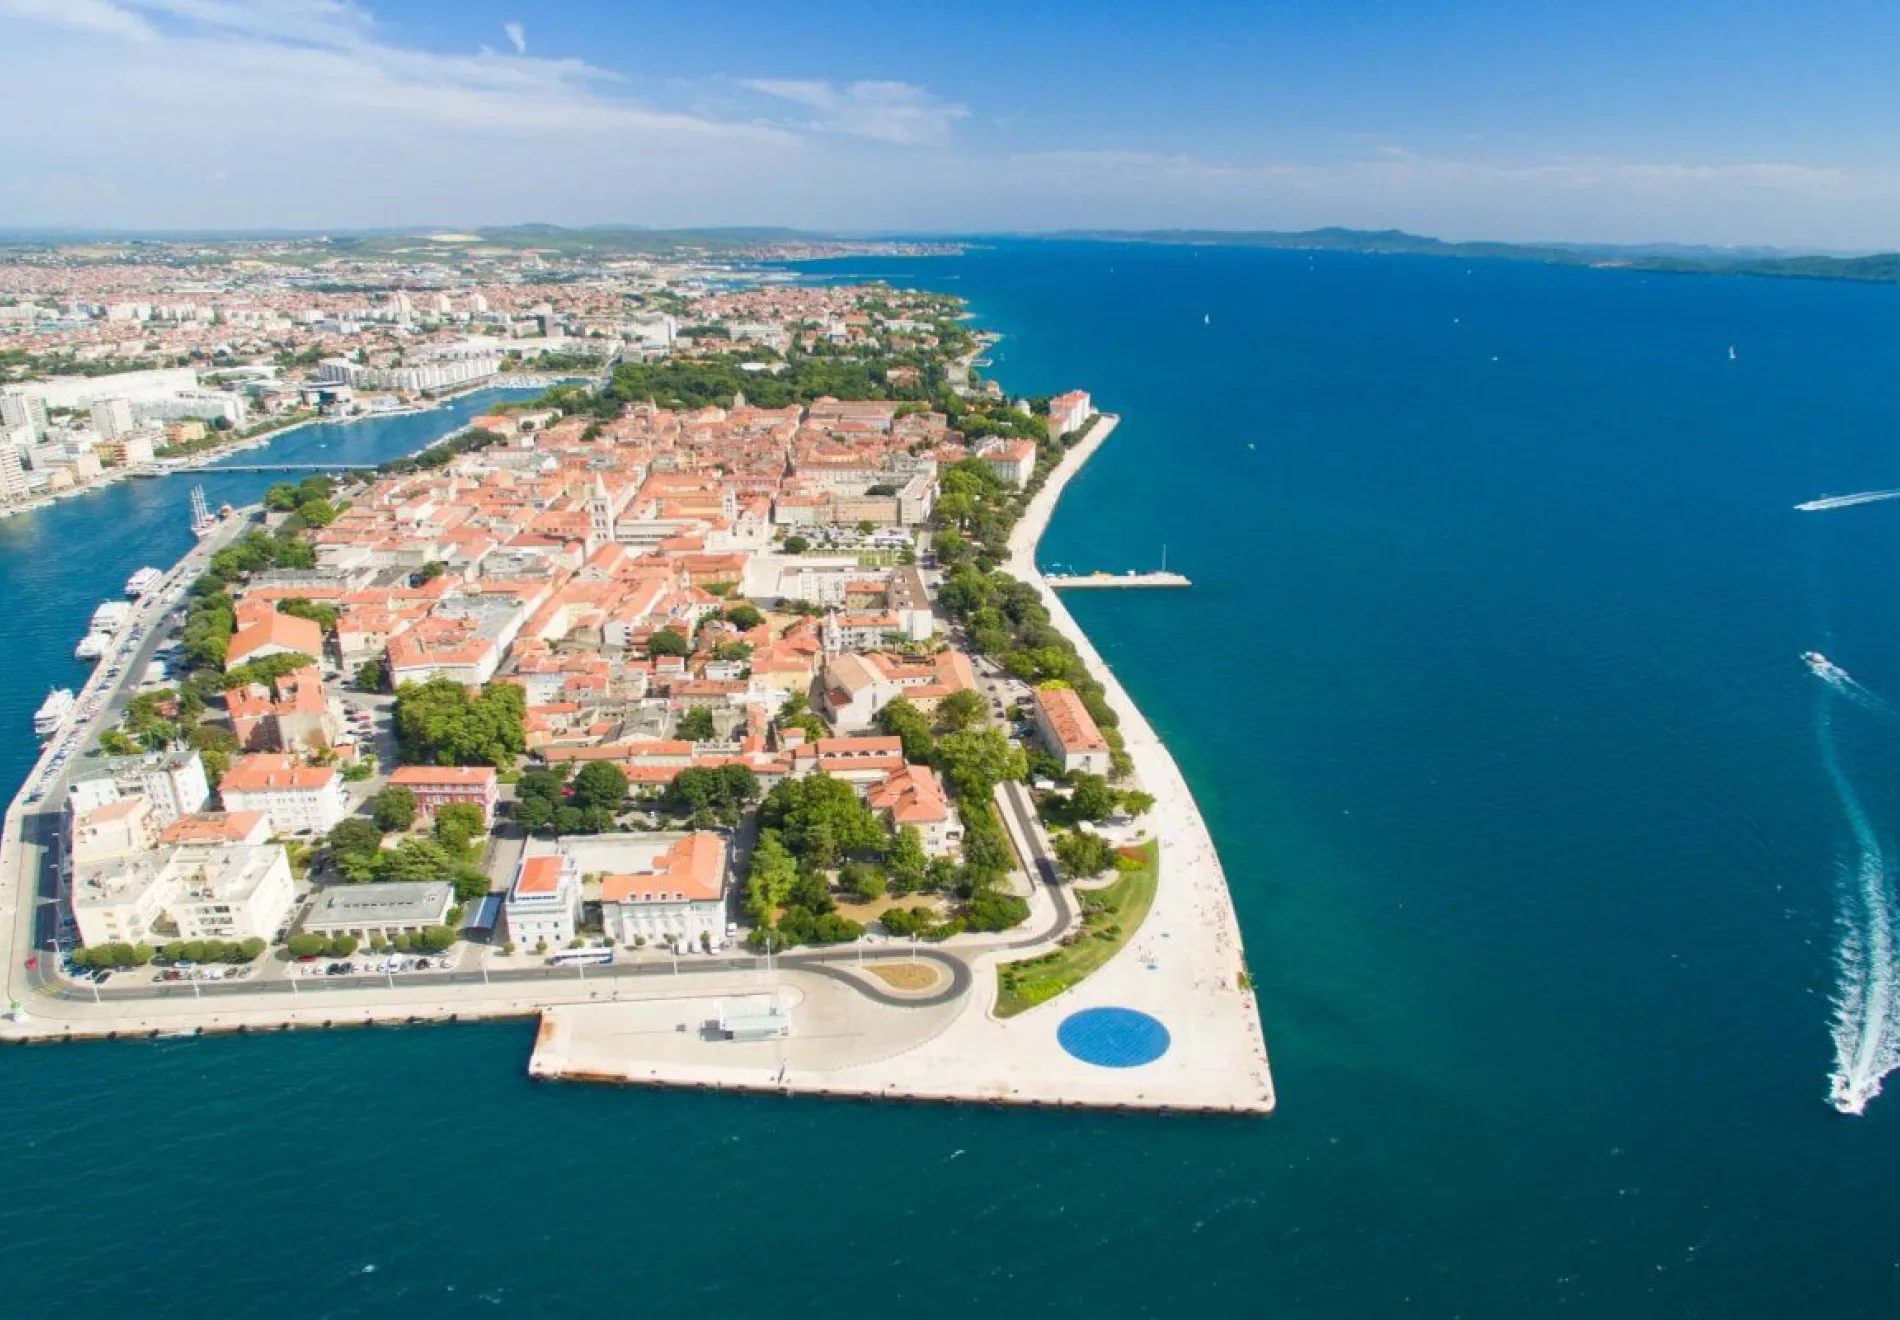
{"points": [[1207, 318], [52, 712], [92, 646], [142, 581], [1731, 352]]}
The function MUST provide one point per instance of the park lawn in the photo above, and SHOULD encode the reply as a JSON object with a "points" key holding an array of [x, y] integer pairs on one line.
{"points": [[1110, 918]]}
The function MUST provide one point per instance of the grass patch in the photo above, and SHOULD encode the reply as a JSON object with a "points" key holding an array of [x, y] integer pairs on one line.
{"points": [[1110, 918]]}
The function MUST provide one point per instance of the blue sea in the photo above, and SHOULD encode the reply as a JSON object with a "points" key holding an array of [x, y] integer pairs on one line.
{"points": [[1490, 685]]}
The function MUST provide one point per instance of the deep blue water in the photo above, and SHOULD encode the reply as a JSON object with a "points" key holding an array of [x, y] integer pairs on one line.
{"points": [[1489, 686]]}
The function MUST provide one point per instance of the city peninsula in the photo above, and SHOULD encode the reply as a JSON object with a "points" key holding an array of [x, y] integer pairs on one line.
{"points": [[707, 705]]}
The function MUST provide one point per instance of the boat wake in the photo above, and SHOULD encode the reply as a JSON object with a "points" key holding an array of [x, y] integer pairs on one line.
{"points": [[1867, 1001], [1845, 684], [1848, 501]]}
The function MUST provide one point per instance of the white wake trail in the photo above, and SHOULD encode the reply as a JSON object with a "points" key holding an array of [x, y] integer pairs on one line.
{"points": [[1867, 1003], [1848, 501], [1846, 685]]}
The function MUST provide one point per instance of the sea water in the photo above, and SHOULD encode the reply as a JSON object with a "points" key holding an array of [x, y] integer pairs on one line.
{"points": [[1490, 685]]}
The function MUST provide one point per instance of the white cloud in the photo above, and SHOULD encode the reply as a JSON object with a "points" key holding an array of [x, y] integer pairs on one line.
{"points": [[324, 122], [98, 16], [882, 111], [321, 119]]}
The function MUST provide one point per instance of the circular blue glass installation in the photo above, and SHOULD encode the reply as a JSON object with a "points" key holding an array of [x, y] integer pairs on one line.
{"points": [[1113, 1037]]}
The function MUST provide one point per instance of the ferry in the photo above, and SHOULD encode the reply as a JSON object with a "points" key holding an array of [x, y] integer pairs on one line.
{"points": [[52, 712], [92, 646], [111, 616], [142, 581]]}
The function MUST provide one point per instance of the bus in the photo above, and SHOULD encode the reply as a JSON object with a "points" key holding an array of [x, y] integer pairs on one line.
{"points": [[581, 958]]}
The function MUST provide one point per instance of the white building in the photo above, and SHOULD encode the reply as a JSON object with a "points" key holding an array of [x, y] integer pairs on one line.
{"points": [[229, 892], [112, 418], [914, 797], [204, 405], [367, 911], [22, 411], [663, 894], [174, 783], [13, 478], [297, 799], [198, 891], [1069, 731], [544, 903]]}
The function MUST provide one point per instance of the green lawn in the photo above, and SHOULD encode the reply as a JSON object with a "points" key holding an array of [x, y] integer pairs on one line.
{"points": [[1110, 918]]}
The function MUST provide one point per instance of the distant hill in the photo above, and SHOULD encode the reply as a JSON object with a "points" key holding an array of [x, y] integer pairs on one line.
{"points": [[1879, 268]]}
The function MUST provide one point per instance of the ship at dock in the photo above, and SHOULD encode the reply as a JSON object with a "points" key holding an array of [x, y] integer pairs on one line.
{"points": [[111, 616], [142, 581], [203, 521], [52, 712]]}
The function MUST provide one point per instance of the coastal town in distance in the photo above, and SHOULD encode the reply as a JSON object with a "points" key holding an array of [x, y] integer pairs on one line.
{"points": [[704, 700]]}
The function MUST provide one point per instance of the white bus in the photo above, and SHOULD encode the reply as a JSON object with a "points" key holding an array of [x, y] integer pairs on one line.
{"points": [[581, 958]]}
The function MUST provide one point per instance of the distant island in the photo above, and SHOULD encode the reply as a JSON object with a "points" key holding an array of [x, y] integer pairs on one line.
{"points": [[1874, 268], [541, 243]]}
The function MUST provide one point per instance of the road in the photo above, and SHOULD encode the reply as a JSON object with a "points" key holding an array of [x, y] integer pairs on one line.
{"points": [[832, 963], [29, 875]]}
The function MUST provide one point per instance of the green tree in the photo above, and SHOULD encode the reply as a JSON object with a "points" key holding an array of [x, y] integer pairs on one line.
{"points": [[116, 742], [306, 945], [354, 846], [744, 617], [668, 642], [457, 824], [796, 545], [976, 760], [534, 814], [394, 808], [369, 676], [600, 784], [822, 819], [960, 710], [317, 513], [696, 725], [413, 860], [1090, 797], [769, 878], [267, 670], [439, 723], [907, 861], [863, 881], [902, 720], [1082, 854], [991, 910]]}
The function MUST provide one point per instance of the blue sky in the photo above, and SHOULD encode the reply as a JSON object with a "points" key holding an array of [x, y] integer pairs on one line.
{"points": [[1738, 122]]}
